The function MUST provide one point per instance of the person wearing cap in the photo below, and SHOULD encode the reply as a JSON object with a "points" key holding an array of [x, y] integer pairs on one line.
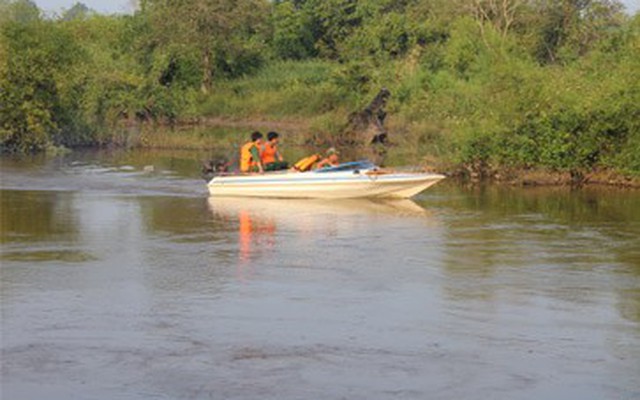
{"points": [[331, 160], [271, 157]]}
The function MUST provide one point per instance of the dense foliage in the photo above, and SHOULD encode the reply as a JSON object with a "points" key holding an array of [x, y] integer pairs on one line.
{"points": [[482, 84]]}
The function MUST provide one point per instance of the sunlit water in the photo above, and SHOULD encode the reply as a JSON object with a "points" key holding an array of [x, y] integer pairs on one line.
{"points": [[122, 281]]}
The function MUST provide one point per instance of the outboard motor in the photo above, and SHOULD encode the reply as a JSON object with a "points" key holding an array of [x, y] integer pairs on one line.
{"points": [[212, 168]]}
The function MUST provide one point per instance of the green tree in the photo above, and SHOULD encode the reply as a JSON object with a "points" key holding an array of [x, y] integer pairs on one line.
{"points": [[567, 29], [333, 21], [23, 11], [293, 36], [78, 10], [216, 29], [32, 114]]}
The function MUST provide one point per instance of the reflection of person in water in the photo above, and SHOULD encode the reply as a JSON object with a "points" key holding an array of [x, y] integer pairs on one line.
{"points": [[244, 229], [251, 239]]}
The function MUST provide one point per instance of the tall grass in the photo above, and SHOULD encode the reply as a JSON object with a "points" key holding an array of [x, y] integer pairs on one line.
{"points": [[284, 89]]}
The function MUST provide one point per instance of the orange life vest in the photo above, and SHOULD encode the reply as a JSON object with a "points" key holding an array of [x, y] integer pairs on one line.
{"points": [[306, 163], [246, 159], [269, 154]]}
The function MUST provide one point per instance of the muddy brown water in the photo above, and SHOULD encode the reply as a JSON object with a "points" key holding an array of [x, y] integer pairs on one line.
{"points": [[122, 281]]}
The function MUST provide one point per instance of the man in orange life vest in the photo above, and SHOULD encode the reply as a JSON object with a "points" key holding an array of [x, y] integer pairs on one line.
{"points": [[250, 159], [271, 157]]}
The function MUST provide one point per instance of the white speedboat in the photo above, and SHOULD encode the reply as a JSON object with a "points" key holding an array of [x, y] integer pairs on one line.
{"points": [[348, 180]]}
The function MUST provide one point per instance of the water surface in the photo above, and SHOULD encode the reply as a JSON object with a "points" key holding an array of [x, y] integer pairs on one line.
{"points": [[122, 281]]}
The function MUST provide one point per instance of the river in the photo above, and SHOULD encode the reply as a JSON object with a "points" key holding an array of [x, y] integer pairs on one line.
{"points": [[121, 279]]}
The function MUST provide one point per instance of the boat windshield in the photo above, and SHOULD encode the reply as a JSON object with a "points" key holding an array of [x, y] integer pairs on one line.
{"points": [[349, 166]]}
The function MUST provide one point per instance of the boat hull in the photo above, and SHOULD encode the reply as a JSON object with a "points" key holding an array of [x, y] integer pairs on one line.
{"points": [[332, 185]]}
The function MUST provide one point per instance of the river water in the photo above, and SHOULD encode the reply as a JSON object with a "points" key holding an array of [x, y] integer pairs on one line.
{"points": [[121, 279]]}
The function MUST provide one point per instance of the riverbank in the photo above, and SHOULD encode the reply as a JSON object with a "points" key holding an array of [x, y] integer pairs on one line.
{"points": [[221, 137], [540, 177]]}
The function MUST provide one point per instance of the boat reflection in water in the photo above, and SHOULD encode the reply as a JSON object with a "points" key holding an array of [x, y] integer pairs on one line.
{"points": [[266, 226]]}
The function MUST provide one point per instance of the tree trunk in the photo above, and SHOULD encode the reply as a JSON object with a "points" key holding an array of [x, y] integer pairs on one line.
{"points": [[206, 71]]}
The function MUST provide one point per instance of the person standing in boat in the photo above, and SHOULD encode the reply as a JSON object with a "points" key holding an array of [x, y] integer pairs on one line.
{"points": [[250, 154], [272, 160], [331, 160]]}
